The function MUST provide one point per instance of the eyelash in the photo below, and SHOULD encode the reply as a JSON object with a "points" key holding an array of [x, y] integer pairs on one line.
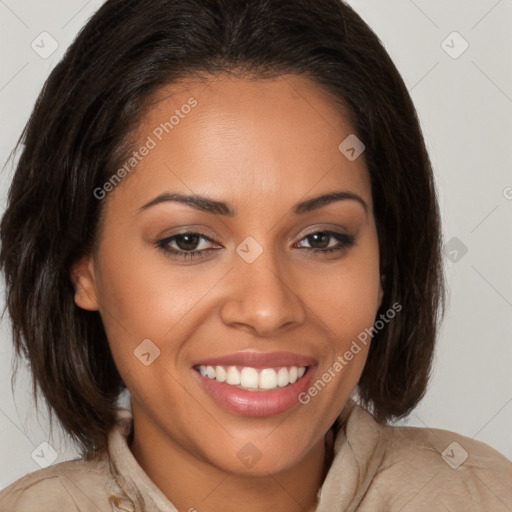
{"points": [[346, 241]]}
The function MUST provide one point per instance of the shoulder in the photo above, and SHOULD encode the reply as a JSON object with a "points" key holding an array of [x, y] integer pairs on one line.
{"points": [[428, 468], [71, 486]]}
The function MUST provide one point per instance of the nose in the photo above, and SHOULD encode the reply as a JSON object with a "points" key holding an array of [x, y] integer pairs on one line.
{"points": [[262, 298]]}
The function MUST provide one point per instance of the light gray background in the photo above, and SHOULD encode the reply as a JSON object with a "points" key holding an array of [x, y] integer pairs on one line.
{"points": [[465, 107]]}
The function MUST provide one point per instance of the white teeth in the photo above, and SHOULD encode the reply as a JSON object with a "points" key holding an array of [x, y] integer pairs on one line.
{"points": [[283, 378], [233, 376], [210, 371], [249, 378], [254, 379], [220, 374], [268, 379]]}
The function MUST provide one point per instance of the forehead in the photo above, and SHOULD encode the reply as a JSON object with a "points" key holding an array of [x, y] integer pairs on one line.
{"points": [[240, 138]]}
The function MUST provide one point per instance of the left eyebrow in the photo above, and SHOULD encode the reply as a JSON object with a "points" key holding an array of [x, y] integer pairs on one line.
{"points": [[325, 199], [208, 205]]}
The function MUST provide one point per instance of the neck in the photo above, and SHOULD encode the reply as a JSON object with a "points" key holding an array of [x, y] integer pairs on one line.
{"points": [[192, 484]]}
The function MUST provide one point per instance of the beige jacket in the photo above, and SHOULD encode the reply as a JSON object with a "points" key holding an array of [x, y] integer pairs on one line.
{"points": [[375, 469]]}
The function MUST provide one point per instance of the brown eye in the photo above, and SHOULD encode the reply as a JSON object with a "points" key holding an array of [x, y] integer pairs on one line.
{"points": [[319, 241], [187, 242], [186, 245]]}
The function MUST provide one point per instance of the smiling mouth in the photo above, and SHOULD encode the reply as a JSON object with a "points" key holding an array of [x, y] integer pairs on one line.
{"points": [[253, 379]]}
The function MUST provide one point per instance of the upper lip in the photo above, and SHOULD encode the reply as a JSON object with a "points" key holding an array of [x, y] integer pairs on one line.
{"points": [[258, 360]]}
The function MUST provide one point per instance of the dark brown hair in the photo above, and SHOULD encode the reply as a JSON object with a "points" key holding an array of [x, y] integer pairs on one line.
{"points": [[80, 124]]}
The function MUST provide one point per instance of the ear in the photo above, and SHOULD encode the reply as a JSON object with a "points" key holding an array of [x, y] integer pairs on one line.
{"points": [[84, 280]]}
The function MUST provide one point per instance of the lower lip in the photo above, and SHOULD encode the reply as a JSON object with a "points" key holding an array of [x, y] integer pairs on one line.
{"points": [[257, 403]]}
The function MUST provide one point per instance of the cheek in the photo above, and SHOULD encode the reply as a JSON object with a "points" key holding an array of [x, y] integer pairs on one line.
{"points": [[348, 297], [346, 307], [143, 295]]}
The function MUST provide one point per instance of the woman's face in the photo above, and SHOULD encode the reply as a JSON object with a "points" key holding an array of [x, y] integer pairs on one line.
{"points": [[263, 303]]}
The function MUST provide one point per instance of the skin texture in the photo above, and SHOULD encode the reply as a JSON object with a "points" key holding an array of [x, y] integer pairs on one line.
{"points": [[261, 146]]}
